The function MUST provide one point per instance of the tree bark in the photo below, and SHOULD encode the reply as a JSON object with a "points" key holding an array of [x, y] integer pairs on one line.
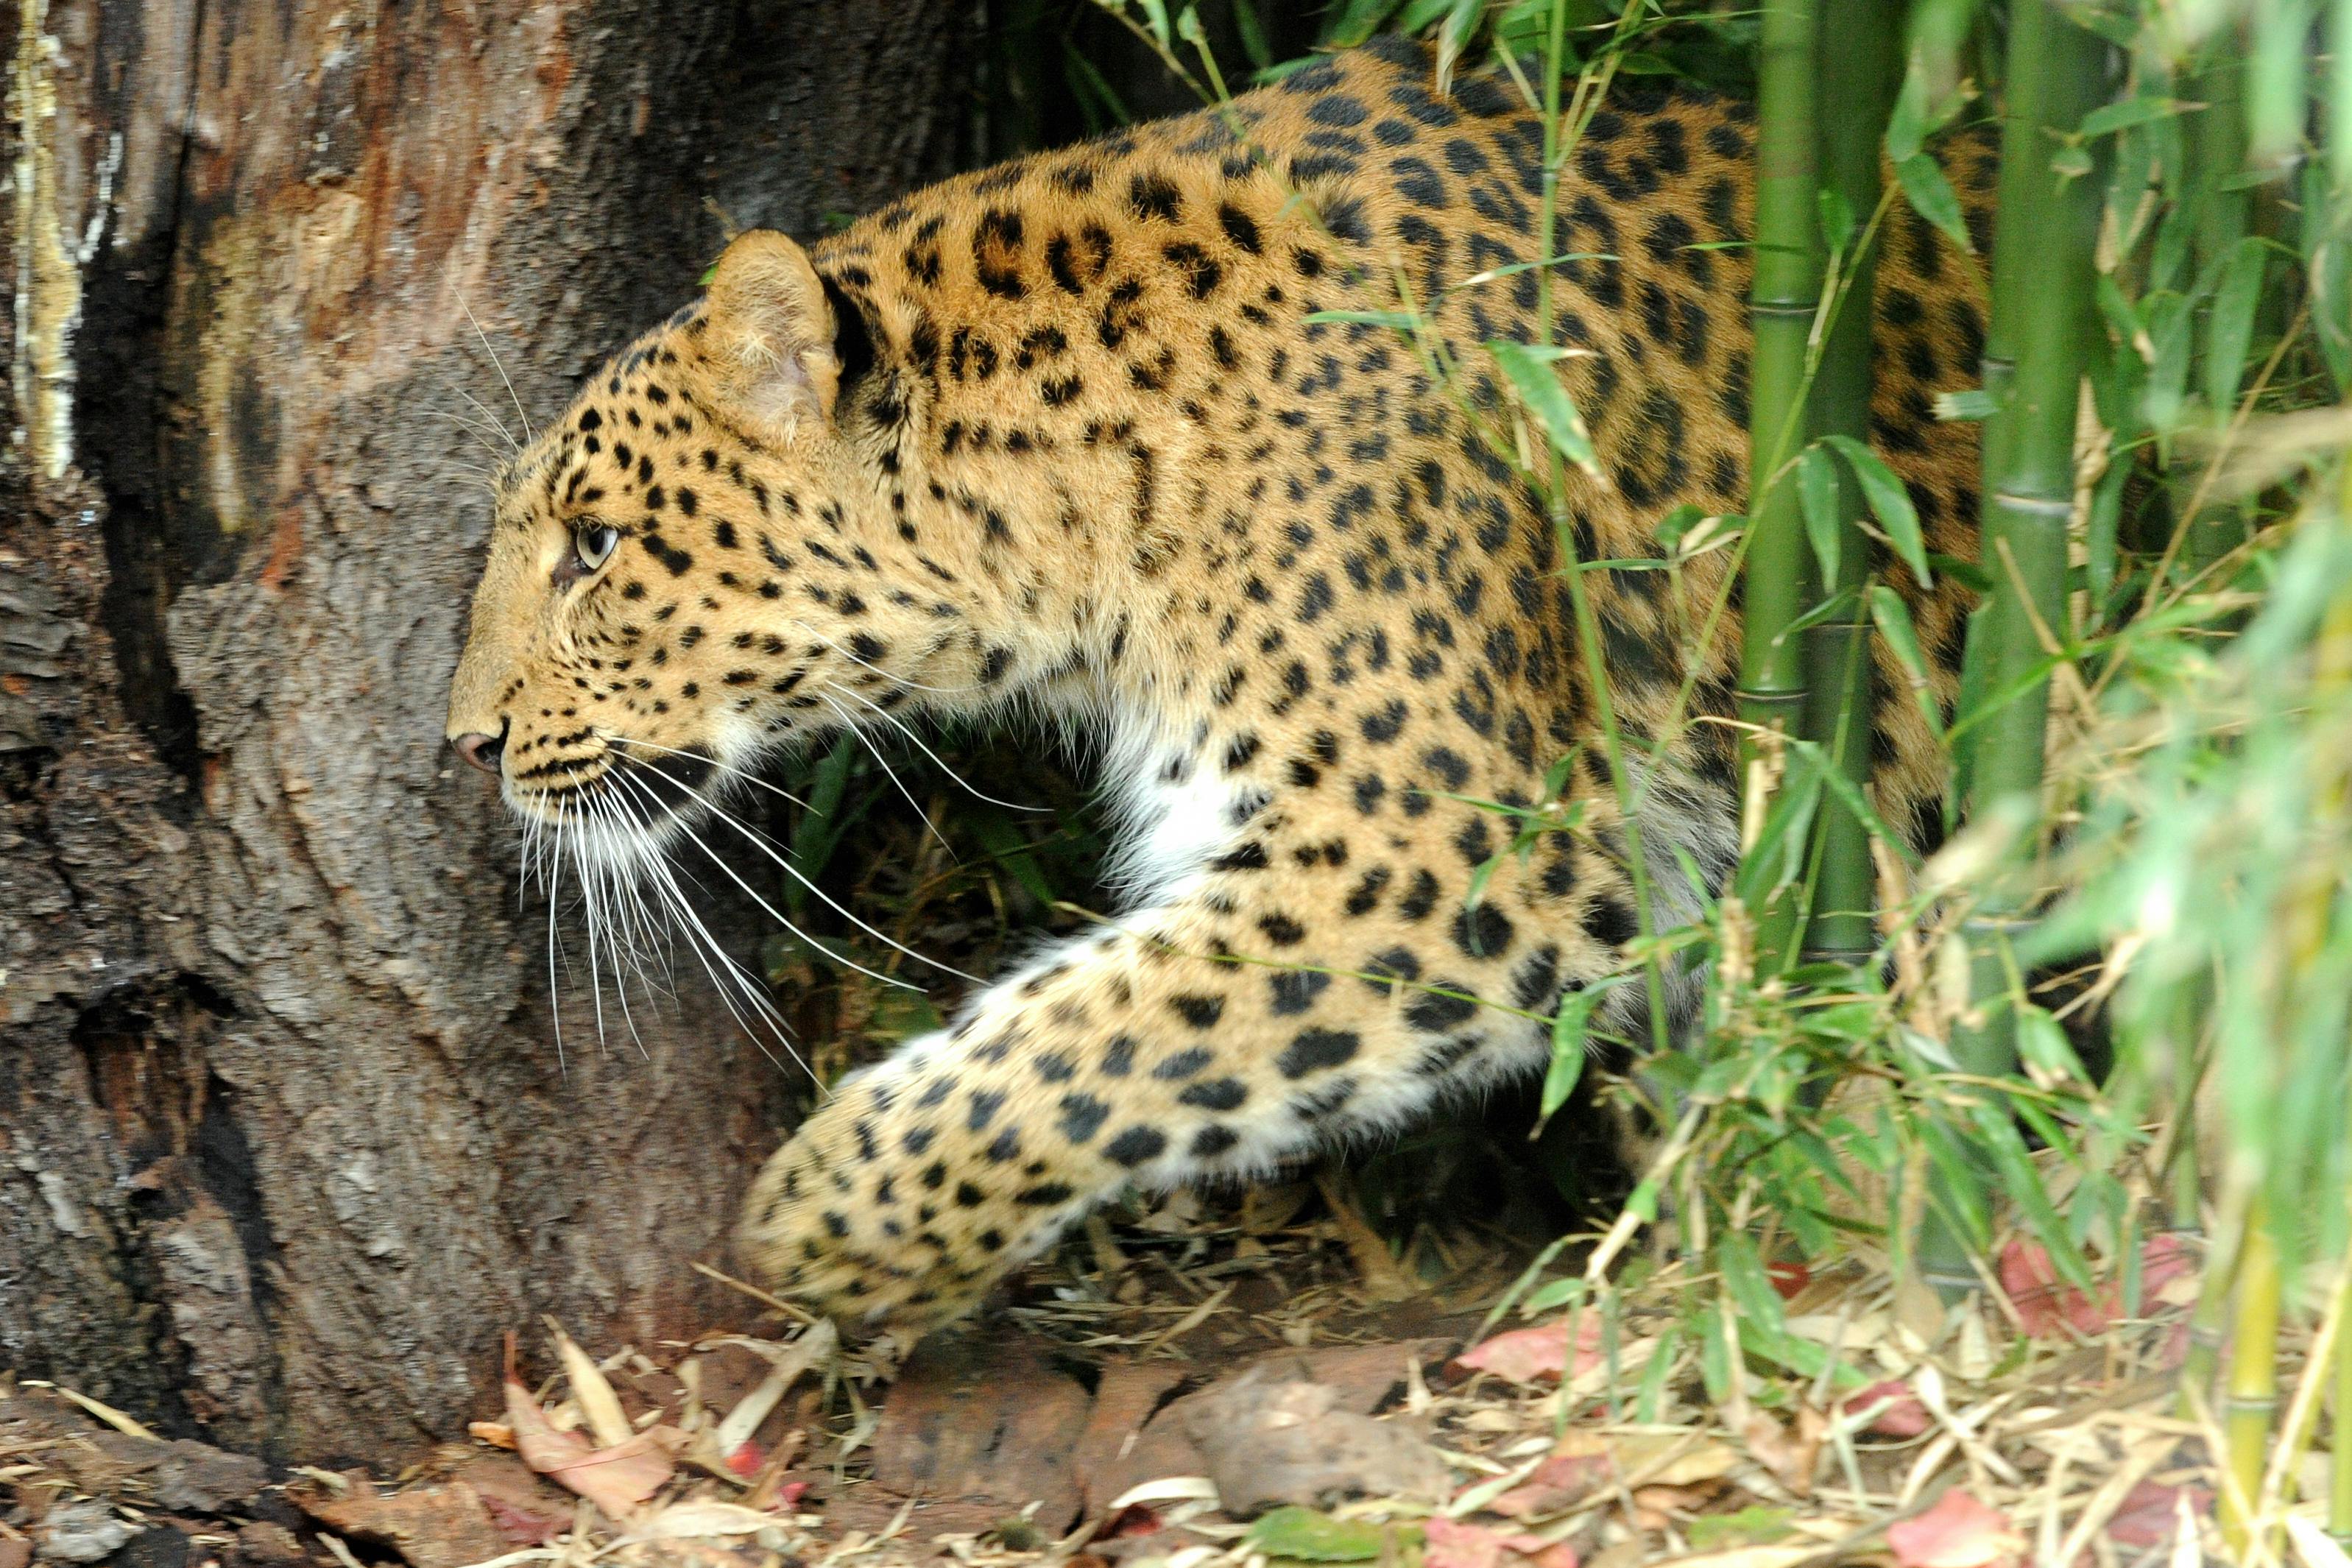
{"points": [[284, 1141]]}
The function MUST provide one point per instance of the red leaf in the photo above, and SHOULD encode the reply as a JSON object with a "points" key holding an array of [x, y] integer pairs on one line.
{"points": [[788, 1495], [1448, 1543], [1959, 1531], [1526, 1355], [1905, 1417], [1558, 1484], [521, 1525], [746, 1459], [1787, 1278], [2047, 1307], [2149, 1513]]}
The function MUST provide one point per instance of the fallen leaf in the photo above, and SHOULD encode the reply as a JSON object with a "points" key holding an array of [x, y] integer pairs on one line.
{"points": [[592, 1391], [1905, 1416], [1672, 1459], [521, 1525], [684, 1520], [1756, 1525], [1656, 1507], [2150, 1513], [497, 1434], [1558, 1484], [1787, 1278], [1312, 1537], [617, 1480], [1958, 1532], [1790, 1456], [1527, 1355], [2047, 1307], [1450, 1544]]}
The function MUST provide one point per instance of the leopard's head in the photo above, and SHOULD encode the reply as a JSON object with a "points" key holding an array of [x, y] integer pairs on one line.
{"points": [[683, 573]]}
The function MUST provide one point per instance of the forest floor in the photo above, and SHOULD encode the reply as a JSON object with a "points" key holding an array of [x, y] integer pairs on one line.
{"points": [[1251, 1384]]}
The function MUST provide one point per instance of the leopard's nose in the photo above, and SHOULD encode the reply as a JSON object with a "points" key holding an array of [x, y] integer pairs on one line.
{"points": [[482, 751]]}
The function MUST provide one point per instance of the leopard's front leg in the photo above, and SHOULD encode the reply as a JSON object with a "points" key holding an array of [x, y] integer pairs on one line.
{"points": [[1319, 978]]}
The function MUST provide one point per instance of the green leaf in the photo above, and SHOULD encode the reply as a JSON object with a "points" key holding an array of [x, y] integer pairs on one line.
{"points": [[1756, 1525], [1974, 403], [2230, 329], [1890, 502], [1155, 16], [1932, 197], [1892, 618], [1530, 374], [1303, 1535], [2109, 118], [1359, 21], [2070, 162], [1252, 34], [2014, 1170], [1568, 1046], [1837, 220], [1817, 490], [1403, 320]]}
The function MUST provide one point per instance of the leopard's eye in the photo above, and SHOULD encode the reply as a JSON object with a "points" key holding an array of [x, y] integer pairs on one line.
{"points": [[593, 541]]}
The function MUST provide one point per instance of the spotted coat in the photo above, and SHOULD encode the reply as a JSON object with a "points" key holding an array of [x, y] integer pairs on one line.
{"points": [[1081, 433]]}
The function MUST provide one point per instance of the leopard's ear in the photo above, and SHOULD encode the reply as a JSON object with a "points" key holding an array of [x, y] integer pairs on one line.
{"points": [[769, 333]]}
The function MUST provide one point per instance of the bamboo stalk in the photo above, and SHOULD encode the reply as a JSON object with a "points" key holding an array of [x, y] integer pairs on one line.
{"points": [[1860, 75], [2252, 1400], [2216, 138], [2339, 1440], [1783, 300], [2043, 314]]}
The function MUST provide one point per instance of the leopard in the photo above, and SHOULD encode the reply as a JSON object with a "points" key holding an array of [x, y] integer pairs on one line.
{"points": [[1190, 440]]}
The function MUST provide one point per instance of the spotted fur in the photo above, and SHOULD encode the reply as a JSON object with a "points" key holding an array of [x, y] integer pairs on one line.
{"points": [[1067, 433]]}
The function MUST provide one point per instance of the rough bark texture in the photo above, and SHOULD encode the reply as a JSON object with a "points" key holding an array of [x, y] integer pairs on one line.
{"points": [[283, 1142]]}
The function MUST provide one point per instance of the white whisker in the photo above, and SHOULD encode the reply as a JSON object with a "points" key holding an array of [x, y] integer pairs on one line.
{"points": [[876, 752], [633, 743], [891, 719], [759, 841], [487, 349], [774, 913]]}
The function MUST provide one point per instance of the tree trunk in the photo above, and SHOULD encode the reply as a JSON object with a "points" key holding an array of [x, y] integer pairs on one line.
{"points": [[284, 1141]]}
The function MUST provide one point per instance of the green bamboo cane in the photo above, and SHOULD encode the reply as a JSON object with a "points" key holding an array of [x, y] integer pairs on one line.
{"points": [[1860, 77], [2216, 165], [1783, 300], [2044, 314]]}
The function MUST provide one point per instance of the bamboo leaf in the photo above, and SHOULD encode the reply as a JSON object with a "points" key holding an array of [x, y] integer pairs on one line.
{"points": [[1932, 197], [2110, 117], [1892, 618], [1359, 21], [1252, 34], [2230, 327], [2013, 1167], [1401, 320], [1817, 490], [1530, 374], [1975, 402], [1837, 221], [1890, 502], [1569, 1027]]}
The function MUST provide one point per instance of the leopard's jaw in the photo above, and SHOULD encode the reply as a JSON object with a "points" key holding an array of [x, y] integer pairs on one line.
{"points": [[1099, 459]]}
